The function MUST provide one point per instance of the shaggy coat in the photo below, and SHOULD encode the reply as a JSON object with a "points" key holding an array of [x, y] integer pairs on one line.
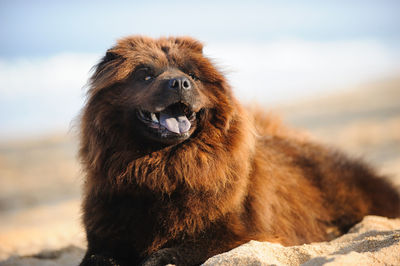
{"points": [[235, 175]]}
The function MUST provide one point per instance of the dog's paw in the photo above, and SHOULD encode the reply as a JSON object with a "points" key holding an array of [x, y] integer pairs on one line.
{"points": [[98, 260], [164, 257]]}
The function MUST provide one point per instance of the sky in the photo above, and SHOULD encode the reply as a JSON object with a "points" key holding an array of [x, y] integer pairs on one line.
{"points": [[40, 28], [273, 51]]}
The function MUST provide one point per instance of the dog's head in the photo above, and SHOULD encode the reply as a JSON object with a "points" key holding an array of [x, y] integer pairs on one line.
{"points": [[162, 90]]}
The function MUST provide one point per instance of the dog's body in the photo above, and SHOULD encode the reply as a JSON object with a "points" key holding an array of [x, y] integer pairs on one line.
{"points": [[178, 171]]}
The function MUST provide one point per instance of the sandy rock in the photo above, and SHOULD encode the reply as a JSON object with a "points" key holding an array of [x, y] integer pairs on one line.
{"points": [[374, 241]]}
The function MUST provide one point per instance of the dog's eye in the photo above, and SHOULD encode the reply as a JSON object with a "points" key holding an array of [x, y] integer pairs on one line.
{"points": [[193, 76], [147, 77], [144, 73]]}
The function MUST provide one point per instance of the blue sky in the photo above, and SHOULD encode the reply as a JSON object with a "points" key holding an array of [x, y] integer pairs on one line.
{"points": [[272, 51], [41, 28]]}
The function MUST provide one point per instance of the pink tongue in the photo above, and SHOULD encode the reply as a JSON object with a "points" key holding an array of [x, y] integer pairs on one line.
{"points": [[177, 124]]}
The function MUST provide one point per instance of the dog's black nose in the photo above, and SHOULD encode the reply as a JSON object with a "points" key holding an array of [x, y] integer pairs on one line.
{"points": [[180, 83]]}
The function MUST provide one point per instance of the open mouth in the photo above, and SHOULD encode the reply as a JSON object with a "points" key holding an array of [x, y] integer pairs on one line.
{"points": [[175, 121]]}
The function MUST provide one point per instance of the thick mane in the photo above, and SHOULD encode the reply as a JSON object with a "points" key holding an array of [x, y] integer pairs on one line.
{"points": [[208, 162]]}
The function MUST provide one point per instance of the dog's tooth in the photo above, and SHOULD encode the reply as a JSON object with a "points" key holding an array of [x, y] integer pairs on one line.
{"points": [[154, 117], [141, 113]]}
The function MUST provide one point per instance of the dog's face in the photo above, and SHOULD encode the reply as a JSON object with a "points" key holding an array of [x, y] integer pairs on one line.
{"points": [[167, 100], [161, 89]]}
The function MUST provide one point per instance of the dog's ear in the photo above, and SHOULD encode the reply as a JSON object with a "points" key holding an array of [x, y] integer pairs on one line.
{"points": [[109, 56], [106, 60], [189, 42], [106, 71]]}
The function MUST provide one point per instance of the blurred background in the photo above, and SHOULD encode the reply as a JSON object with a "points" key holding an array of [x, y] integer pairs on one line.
{"points": [[331, 67]]}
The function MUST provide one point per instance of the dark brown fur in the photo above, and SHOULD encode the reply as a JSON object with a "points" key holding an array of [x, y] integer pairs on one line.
{"points": [[240, 176]]}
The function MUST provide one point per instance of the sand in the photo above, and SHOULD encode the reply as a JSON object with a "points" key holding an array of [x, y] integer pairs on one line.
{"points": [[374, 241]]}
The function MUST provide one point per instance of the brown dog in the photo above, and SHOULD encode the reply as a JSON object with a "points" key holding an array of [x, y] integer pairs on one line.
{"points": [[178, 171]]}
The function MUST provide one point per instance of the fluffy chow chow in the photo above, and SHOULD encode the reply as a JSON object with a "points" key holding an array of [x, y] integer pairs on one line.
{"points": [[178, 171]]}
